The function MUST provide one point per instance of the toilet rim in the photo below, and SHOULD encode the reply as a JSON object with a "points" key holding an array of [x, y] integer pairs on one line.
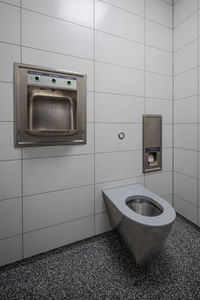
{"points": [[119, 197]]}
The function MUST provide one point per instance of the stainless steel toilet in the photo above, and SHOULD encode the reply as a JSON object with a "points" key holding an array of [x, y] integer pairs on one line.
{"points": [[142, 218]]}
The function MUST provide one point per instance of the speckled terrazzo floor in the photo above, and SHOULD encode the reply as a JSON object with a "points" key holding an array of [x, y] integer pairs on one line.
{"points": [[101, 268]]}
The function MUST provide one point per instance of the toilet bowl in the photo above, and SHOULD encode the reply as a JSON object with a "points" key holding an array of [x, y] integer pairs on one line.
{"points": [[142, 218]]}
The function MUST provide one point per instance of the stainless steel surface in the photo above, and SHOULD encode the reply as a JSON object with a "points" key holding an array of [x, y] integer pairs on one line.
{"points": [[50, 110], [144, 207], [152, 143], [143, 241]]}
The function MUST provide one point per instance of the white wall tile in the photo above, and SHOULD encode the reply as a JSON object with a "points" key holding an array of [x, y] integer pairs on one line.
{"points": [[51, 174], [99, 201], [68, 46], [7, 150], [159, 11], [167, 160], [167, 135], [114, 79], [42, 240], [76, 40], [6, 101], [90, 106], [10, 217], [186, 84], [135, 6], [198, 154], [116, 166], [10, 179], [158, 61], [186, 58], [58, 61], [185, 110], [102, 223], [11, 250], [185, 187], [57, 207], [185, 136], [9, 55], [118, 51], [76, 11], [118, 108], [186, 32], [186, 209], [159, 183], [184, 9], [158, 36], [198, 200], [199, 216], [107, 140], [169, 1], [169, 198], [198, 136], [118, 22], [158, 86], [161, 107], [65, 150], [10, 23], [185, 161]]}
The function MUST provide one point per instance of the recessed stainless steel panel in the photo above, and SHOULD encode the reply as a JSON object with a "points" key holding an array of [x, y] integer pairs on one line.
{"points": [[49, 106], [152, 143]]}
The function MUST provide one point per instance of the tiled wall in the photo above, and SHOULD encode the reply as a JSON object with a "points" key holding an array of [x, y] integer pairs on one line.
{"points": [[51, 196], [186, 109]]}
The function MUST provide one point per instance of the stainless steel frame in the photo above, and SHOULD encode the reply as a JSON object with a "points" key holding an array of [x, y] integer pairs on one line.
{"points": [[47, 113], [152, 143]]}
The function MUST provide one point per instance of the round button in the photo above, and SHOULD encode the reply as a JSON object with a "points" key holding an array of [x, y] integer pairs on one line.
{"points": [[121, 135], [37, 78], [53, 80], [69, 82]]}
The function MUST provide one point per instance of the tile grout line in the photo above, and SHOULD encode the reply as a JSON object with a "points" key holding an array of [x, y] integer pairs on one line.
{"points": [[86, 154], [183, 21], [139, 175], [185, 149], [184, 174], [94, 104], [104, 32], [88, 27], [186, 71], [49, 226], [22, 198], [173, 105], [144, 83], [185, 201], [80, 218], [186, 44], [92, 60], [198, 121], [119, 94], [53, 191], [186, 97]]}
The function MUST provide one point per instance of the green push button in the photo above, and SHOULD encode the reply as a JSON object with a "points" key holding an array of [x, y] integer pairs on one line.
{"points": [[37, 78], [53, 80], [69, 82]]}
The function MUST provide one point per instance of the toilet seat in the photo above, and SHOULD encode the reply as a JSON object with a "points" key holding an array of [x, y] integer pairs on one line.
{"points": [[119, 196]]}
